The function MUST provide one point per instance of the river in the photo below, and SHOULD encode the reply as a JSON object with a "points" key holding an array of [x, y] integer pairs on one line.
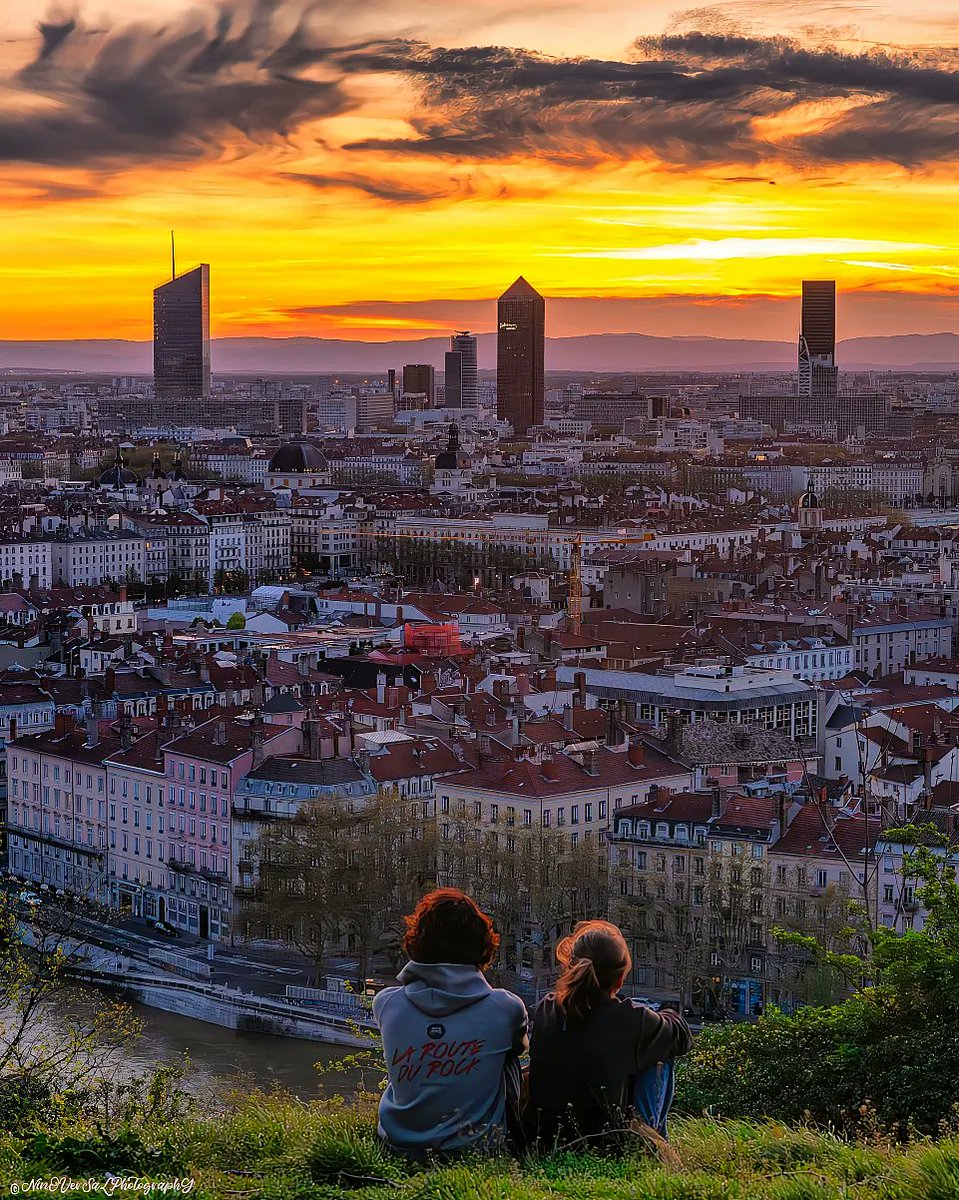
{"points": [[217, 1061], [221, 1059]]}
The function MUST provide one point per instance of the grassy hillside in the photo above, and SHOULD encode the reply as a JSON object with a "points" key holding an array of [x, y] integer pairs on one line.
{"points": [[268, 1148]]}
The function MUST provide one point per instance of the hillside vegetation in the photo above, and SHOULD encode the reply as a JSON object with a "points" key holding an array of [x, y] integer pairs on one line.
{"points": [[277, 1149]]}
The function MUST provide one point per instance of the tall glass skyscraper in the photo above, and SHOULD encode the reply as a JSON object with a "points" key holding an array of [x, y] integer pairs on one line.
{"points": [[520, 356], [181, 337], [818, 374], [460, 371]]}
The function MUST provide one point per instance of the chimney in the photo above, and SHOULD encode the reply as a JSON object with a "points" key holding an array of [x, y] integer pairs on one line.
{"points": [[589, 762], [380, 688], [550, 769], [110, 681], [122, 592], [521, 637], [636, 753], [12, 736], [93, 729], [256, 739], [311, 731], [579, 682], [303, 665], [126, 730], [219, 733], [674, 730], [782, 811], [717, 805], [34, 582]]}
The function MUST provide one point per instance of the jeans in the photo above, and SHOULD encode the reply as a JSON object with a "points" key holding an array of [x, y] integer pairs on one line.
{"points": [[653, 1093]]}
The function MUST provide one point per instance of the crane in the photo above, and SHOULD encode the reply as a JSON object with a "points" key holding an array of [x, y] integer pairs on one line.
{"points": [[574, 575]]}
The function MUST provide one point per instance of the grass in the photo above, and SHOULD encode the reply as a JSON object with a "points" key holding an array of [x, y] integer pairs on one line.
{"points": [[275, 1148]]}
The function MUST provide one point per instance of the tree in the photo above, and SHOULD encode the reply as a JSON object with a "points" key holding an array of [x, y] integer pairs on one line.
{"points": [[891, 1050], [44, 1074], [237, 621], [341, 875], [535, 882]]}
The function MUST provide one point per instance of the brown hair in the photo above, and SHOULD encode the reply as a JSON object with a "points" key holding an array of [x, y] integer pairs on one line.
{"points": [[595, 958], [447, 926]]}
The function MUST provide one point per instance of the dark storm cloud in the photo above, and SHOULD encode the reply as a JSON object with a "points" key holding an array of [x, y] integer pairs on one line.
{"points": [[688, 99], [243, 74], [395, 191], [177, 91]]}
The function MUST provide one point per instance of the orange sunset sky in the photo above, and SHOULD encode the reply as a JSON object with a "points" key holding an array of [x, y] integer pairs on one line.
{"points": [[377, 169]]}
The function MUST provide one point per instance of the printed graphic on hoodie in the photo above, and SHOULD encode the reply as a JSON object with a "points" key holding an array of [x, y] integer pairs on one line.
{"points": [[438, 1060]]}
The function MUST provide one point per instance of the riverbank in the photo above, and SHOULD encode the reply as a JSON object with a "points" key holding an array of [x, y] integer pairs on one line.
{"points": [[280, 1149]]}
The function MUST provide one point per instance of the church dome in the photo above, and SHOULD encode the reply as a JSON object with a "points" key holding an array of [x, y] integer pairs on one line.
{"points": [[453, 458], [809, 500], [118, 476], [298, 458]]}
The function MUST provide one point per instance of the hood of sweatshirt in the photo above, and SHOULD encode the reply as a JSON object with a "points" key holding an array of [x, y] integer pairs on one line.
{"points": [[439, 989]]}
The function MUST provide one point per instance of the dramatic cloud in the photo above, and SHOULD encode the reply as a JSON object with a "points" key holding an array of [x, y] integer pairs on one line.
{"points": [[236, 76], [202, 82], [687, 99], [394, 190]]}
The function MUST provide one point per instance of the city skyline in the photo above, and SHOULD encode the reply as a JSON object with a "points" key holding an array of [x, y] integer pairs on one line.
{"points": [[680, 174]]}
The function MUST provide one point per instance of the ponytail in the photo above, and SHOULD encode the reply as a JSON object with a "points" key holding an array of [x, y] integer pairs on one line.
{"points": [[578, 989], [595, 959]]}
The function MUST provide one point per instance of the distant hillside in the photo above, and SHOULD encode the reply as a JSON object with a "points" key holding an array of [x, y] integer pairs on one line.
{"points": [[615, 352]]}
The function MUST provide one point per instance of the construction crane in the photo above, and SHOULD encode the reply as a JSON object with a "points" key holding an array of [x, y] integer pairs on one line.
{"points": [[574, 574]]}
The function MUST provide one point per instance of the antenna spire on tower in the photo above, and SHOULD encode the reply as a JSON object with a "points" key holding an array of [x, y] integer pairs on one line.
{"points": [[172, 255]]}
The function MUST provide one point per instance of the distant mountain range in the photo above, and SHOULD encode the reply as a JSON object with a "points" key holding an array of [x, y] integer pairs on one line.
{"points": [[613, 352]]}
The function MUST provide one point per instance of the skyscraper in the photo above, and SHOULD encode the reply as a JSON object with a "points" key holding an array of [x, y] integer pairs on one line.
{"points": [[181, 337], [419, 379], [520, 356], [460, 371], [818, 374]]}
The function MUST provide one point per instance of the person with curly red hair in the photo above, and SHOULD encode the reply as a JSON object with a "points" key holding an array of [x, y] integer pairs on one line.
{"points": [[451, 1041]]}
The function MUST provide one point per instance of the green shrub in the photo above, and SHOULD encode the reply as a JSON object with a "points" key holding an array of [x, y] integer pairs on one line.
{"points": [[866, 1059]]}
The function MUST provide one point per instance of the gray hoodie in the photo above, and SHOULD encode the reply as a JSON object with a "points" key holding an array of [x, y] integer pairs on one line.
{"points": [[446, 1037]]}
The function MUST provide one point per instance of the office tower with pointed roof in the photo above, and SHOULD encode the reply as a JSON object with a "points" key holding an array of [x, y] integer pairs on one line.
{"points": [[520, 357], [181, 339]]}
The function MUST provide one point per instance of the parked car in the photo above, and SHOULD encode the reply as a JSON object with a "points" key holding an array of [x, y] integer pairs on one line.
{"points": [[165, 929], [28, 897]]}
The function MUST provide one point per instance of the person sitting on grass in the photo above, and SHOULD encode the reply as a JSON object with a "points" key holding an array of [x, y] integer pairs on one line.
{"points": [[597, 1060], [451, 1041]]}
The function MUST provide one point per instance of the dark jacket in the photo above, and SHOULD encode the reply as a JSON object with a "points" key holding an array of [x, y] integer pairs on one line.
{"points": [[581, 1075]]}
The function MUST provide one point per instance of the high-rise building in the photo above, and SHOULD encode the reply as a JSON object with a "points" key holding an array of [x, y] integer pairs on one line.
{"points": [[520, 356], [181, 337], [817, 339], [840, 415], [419, 379], [460, 375]]}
